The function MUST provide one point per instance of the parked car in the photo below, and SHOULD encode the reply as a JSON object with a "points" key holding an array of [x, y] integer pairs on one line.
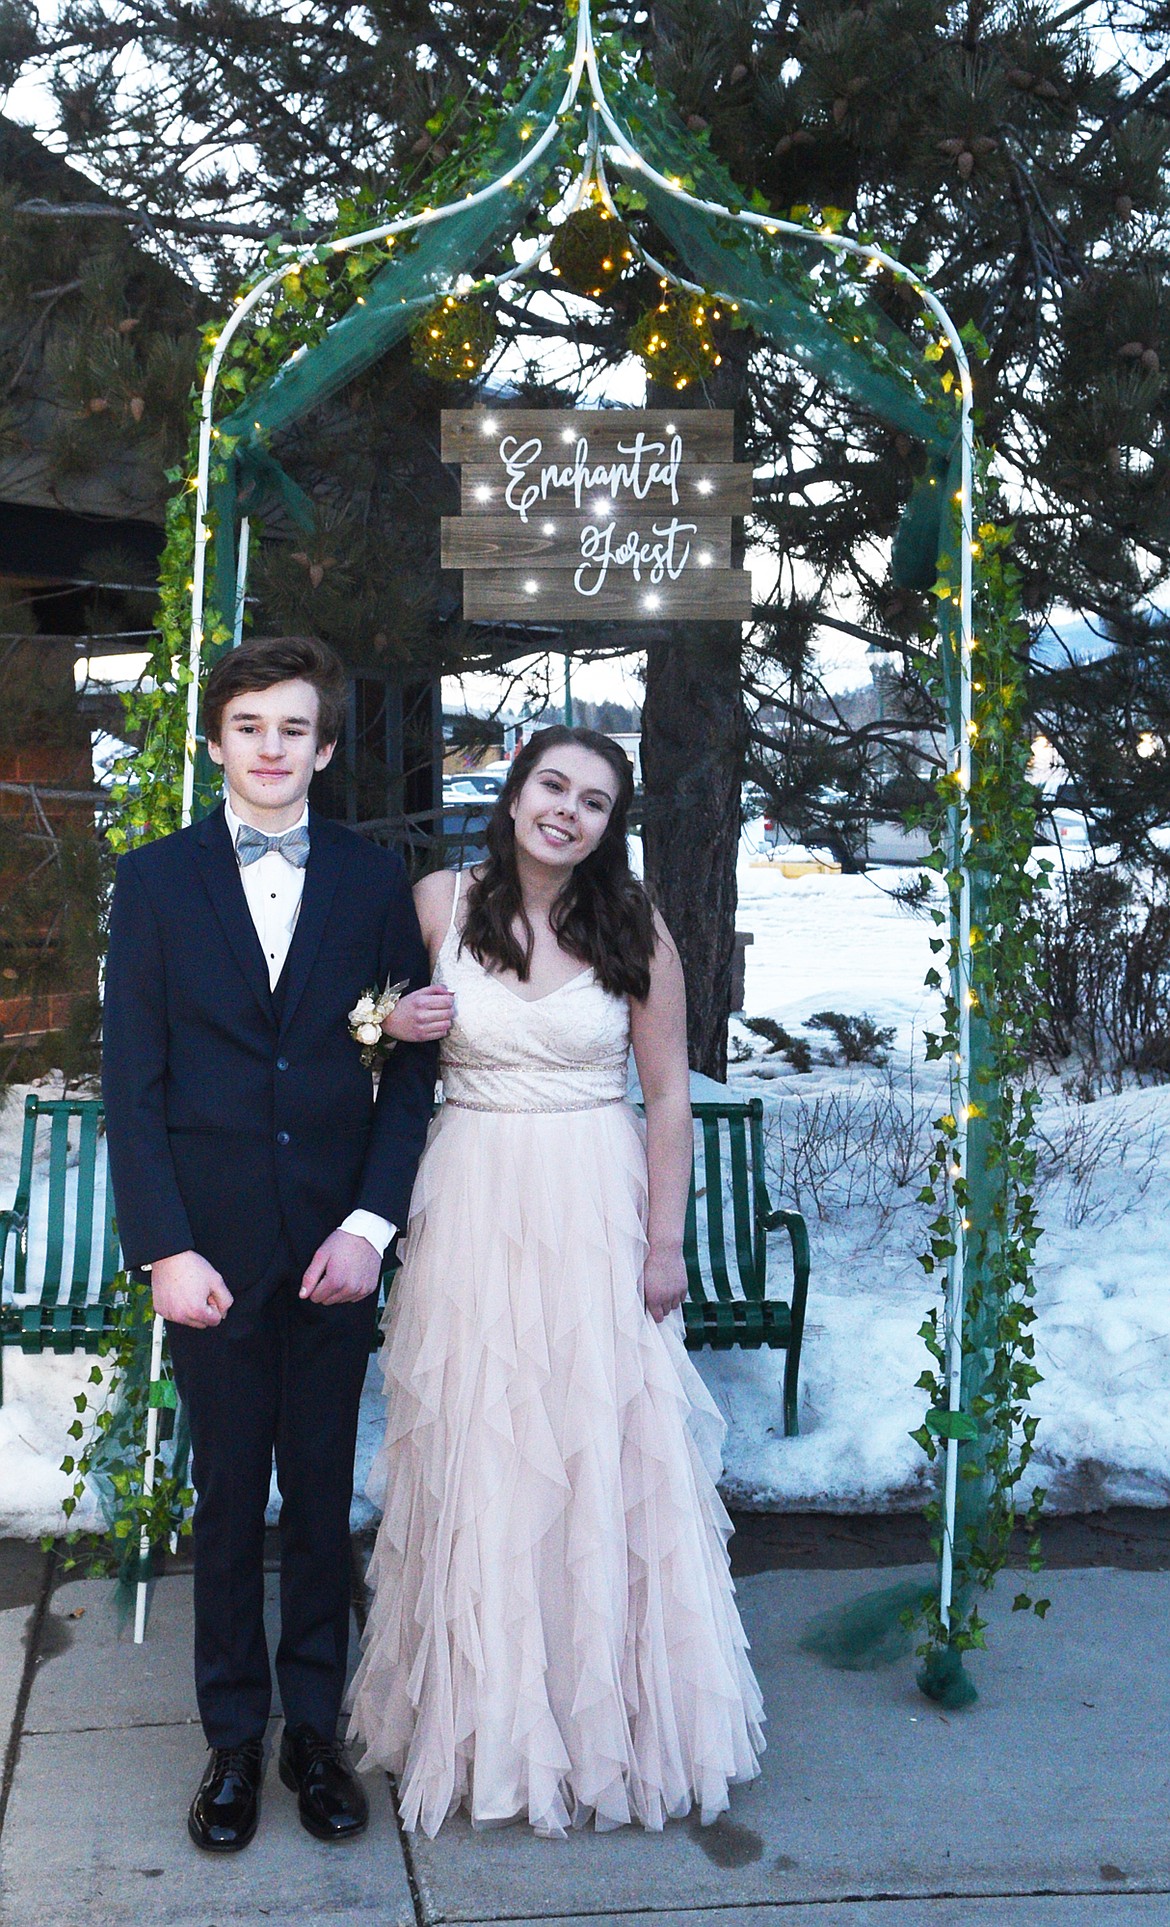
{"points": [[473, 782]]}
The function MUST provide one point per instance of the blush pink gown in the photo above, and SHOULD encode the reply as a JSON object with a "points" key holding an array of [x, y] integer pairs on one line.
{"points": [[553, 1634]]}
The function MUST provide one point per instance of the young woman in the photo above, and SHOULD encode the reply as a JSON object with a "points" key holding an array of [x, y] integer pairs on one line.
{"points": [[553, 1632]]}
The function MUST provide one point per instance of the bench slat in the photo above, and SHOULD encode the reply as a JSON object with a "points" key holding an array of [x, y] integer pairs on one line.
{"points": [[713, 1174], [55, 1231], [86, 1182], [741, 1210], [691, 1248]]}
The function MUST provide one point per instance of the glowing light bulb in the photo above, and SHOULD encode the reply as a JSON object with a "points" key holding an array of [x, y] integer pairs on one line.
{"points": [[704, 485], [670, 428], [705, 558], [531, 586], [548, 528], [483, 493], [603, 509], [568, 434], [651, 601], [488, 427]]}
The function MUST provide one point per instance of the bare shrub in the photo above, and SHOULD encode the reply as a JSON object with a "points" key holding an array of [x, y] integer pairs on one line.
{"points": [[1087, 1149], [1103, 982], [862, 1146]]}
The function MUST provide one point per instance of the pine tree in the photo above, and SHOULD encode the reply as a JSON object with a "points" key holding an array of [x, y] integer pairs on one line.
{"points": [[1013, 150]]}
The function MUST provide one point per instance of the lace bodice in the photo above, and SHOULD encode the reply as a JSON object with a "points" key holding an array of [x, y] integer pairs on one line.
{"points": [[568, 1051]]}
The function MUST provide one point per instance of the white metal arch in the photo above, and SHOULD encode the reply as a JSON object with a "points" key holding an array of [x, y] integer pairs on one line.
{"points": [[584, 66]]}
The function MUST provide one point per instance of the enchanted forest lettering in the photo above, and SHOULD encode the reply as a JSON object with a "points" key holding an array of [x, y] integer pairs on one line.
{"points": [[596, 515]]}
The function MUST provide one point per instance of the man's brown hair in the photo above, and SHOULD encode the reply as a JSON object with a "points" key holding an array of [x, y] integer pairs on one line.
{"points": [[266, 660]]}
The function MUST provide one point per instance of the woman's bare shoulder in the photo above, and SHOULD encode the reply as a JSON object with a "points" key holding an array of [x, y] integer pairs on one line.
{"points": [[433, 896]]}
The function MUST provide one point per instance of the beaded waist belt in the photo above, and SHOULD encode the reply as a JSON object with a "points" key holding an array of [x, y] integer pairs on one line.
{"points": [[533, 1110]]}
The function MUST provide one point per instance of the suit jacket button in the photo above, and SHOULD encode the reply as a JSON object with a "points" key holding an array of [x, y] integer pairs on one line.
{"points": [[282, 1063], [282, 1137]]}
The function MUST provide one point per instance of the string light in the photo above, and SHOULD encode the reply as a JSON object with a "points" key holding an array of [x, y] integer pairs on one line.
{"points": [[531, 586]]}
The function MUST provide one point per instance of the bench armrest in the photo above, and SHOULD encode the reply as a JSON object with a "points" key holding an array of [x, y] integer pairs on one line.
{"points": [[797, 1230], [11, 1221]]}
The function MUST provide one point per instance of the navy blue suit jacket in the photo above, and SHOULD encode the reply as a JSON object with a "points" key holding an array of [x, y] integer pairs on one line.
{"points": [[230, 1126]]}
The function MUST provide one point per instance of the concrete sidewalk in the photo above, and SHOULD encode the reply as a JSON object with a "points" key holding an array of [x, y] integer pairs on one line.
{"points": [[1046, 1805]]}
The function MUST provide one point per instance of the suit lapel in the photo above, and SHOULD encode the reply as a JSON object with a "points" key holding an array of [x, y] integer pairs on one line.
{"points": [[221, 874], [322, 873]]}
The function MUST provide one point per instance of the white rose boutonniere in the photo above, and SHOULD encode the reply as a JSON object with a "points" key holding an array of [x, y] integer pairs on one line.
{"points": [[367, 1017]]}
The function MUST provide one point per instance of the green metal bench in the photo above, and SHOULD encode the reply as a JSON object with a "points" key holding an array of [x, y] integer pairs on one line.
{"points": [[59, 1251], [727, 1302], [61, 1301]]}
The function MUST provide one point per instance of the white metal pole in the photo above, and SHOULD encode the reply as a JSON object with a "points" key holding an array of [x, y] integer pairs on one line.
{"points": [[241, 582], [148, 1474]]}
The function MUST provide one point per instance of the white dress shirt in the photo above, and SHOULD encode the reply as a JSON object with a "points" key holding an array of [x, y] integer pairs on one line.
{"points": [[273, 888]]}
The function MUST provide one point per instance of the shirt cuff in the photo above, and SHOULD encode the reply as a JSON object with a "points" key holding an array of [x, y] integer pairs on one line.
{"points": [[368, 1225]]}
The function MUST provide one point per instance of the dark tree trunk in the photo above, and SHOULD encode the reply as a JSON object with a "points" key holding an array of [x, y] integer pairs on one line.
{"points": [[694, 739]]}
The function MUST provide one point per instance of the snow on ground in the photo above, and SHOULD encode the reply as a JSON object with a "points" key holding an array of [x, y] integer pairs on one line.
{"points": [[847, 1148]]}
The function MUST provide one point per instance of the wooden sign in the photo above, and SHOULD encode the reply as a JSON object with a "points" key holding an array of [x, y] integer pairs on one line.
{"points": [[596, 515]]}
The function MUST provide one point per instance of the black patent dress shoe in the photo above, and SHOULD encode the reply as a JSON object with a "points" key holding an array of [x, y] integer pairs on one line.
{"points": [[331, 1804], [226, 1809]]}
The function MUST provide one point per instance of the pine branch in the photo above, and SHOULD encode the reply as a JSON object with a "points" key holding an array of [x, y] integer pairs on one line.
{"points": [[173, 223], [1138, 98]]}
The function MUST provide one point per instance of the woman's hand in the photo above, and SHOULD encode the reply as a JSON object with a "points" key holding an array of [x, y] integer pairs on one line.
{"points": [[422, 1017], [664, 1282]]}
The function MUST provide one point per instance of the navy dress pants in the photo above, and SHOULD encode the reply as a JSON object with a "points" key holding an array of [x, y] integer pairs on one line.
{"points": [[284, 1380]]}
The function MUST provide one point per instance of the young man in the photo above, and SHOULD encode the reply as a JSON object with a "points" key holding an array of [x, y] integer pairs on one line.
{"points": [[257, 1178]]}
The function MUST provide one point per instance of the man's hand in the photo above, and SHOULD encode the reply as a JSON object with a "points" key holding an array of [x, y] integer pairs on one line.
{"points": [[189, 1291], [342, 1270], [664, 1281]]}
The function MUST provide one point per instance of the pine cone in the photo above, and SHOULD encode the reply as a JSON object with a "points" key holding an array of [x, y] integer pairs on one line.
{"points": [[1124, 205], [966, 163]]}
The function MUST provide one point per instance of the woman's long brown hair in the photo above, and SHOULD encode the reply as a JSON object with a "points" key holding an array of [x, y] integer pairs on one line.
{"points": [[602, 915]]}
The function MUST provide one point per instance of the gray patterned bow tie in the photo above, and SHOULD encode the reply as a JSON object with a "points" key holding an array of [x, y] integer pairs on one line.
{"points": [[293, 845]]}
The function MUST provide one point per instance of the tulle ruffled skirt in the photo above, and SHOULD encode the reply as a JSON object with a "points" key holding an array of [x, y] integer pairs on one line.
{"points": [[553, 1632]]}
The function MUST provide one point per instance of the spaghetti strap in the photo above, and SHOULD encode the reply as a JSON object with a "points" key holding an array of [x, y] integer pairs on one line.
{"points": [[454, 902]]}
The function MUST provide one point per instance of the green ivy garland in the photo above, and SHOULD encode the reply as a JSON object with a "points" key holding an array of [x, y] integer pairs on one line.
{"points": [[996, 1431], [109, 1430]]}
